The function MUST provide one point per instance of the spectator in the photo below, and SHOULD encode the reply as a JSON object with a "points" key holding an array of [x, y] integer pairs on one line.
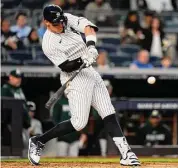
{"points": [[154, 132], [32, 38], [9, 40], [83, 4], [138, 4], [101, 18], [102, 60], [21, 27], [161, 5], [166, 62], [36, 127], [148, 16], [153, 40], [61, 3], [131, 4], [69, 144], [72, 5], [142, 61], [132, 21], [131, 32], [41, 30]]}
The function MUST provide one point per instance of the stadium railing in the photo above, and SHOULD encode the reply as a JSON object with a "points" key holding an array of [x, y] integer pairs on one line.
{"points": [[123, 73]]}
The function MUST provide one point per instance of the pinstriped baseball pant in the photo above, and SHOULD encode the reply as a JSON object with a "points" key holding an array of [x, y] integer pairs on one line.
{"points": [[87, 89]]}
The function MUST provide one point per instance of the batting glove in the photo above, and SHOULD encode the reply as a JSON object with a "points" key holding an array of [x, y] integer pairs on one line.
{"points": [[88, 61], [92, 52], [91, 56]]}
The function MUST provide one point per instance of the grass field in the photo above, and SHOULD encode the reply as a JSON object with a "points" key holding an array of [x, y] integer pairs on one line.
{"points": [[88, 162]]}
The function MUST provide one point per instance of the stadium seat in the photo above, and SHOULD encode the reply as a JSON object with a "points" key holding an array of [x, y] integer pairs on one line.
{"points": [[37, 47], [33, 4], [171, 24], [107, 47], [38, 62], [120, 59], [114, 41], [125, 64], [8, 4], [11, 62], [156, 61], [41, 56], [124, 54], [166, 16], [129, 48], [20, 55]]}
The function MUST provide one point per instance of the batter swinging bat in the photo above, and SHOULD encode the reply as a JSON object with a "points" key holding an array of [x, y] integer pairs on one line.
{"points": [[57, 95]]}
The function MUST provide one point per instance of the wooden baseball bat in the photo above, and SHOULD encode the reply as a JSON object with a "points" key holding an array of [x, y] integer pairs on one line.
{"points": [[57, 95]]}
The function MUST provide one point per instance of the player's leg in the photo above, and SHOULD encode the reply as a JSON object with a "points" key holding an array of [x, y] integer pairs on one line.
{"points": [[103, 145], [62, 148], [79, 94], [37, 143], [74, 149], [102, 103]]}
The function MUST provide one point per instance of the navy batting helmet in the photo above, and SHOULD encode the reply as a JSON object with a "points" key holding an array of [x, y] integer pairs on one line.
{"points": [[54, 14]]}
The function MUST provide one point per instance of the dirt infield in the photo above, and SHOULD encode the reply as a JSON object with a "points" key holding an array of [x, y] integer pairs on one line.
{"points": [[86, 165]]}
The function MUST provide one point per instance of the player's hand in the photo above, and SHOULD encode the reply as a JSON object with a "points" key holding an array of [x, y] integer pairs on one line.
{"points": [[91, 56], [88, 61], [92, 52]]}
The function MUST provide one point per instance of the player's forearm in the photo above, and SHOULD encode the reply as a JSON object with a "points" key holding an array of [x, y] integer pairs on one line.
{"points": [[90, 35], [92, 52], [89, 31]]}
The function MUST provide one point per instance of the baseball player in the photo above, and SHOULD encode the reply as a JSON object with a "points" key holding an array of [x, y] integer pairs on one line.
{"points": [[63, 45]]}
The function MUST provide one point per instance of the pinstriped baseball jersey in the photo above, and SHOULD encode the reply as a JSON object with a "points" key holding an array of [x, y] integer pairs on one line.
{"points": [[68, 45], [87, 88]]}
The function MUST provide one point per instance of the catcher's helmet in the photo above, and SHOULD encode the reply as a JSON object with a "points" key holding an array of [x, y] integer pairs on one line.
{"points": [[54, 14]]}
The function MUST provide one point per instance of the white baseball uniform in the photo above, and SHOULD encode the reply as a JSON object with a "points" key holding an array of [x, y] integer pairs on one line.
{"points": [[87, 88]]}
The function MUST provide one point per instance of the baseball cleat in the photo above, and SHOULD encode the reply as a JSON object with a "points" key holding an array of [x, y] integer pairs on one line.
{"points": [[35, 150], [130, 160]]}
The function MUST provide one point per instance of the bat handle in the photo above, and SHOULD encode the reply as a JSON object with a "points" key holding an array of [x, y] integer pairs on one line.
{"points": [[50, 103], [81, 67], [59, 93]]}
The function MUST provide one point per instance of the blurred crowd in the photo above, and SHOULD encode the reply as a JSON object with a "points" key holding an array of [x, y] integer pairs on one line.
{"points": [[145, 40], [21, 34], [159, 5], [147, 130], [142, 42]]}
